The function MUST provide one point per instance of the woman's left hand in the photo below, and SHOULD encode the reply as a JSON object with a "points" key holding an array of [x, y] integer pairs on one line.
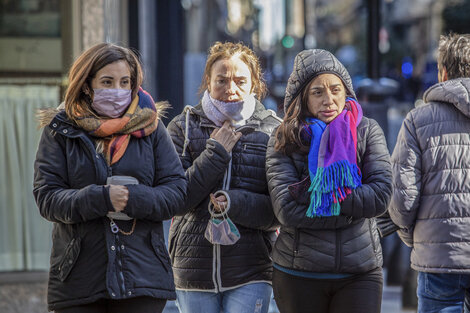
{"points": [[219, 202]]}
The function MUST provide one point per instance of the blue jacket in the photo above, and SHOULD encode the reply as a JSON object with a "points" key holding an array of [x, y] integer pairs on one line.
{"points": [[89, 262]]}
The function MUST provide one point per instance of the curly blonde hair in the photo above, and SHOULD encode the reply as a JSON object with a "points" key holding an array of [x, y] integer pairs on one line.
{"points": [[220, 51]]}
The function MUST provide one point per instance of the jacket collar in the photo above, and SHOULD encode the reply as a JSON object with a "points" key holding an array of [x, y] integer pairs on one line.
{"points": [[61, 124]]}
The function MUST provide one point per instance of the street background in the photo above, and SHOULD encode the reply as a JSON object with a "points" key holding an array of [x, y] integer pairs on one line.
{"points": [[388, 46]]}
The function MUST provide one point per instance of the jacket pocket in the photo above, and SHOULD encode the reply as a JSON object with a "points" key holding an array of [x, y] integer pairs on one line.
{"points": [[259, 147], [69, 258], [372, 239], [160, 251]]}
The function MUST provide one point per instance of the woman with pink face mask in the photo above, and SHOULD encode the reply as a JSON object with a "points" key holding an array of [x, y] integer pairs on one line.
{"points": [[107, 175], [221, 247]]}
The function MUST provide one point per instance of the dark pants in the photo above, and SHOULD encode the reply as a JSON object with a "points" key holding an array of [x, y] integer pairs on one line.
{"points": [[356, 294], [139, 304]]}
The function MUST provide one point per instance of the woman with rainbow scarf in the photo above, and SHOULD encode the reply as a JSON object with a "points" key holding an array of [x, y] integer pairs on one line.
{"points": [[107, 175], [329, 176]]}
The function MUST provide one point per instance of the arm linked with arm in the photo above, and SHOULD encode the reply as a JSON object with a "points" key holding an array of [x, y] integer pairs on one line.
{"points": [[252, 210]]}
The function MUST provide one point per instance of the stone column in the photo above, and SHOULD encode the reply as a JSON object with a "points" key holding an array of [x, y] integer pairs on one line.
{"points": [[92, 20]]}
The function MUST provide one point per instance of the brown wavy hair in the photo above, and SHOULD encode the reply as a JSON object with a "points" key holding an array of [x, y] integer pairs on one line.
{"points": [[220, 51], [79, 94], [288, 134]]}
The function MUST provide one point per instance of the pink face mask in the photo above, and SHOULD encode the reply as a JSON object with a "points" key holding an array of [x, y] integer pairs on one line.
{"points": [[111, 102]]}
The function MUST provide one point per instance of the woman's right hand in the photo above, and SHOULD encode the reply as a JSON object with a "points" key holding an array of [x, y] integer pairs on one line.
{"points": [[226, 136], [119, 195], [219, 203]]}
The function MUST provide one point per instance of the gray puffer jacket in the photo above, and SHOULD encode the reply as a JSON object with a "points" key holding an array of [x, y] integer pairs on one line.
{"points": [[197, 264], [431, 166], [348, 243]]}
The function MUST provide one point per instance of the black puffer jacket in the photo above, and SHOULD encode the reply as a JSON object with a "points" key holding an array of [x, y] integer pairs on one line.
{"points": [[88, 261], [197, 264], [348, 243]]}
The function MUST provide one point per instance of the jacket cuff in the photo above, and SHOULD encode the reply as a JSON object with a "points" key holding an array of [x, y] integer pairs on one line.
{"points": [[107, 199], [347, 205], [406, 236], [216, 147]]}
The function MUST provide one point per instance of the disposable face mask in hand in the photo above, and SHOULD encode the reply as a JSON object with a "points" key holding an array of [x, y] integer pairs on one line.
{"points": [[220, 228], [222, 231]]}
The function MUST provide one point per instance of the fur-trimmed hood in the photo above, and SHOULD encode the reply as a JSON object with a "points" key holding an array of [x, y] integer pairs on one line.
{"points": [[45, 116]]}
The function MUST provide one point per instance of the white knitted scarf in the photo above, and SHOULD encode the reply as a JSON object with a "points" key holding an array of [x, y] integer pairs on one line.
{"points": [[235, 112]]}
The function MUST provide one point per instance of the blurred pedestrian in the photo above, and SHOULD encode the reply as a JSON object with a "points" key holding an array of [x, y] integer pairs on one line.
{"points": [[220, 249], [329, 176], [431, 180], [107, 175]]}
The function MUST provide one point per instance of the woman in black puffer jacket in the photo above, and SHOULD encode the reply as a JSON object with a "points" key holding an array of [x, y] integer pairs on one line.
{"points": [[222, 144], [107, 175], [329, 176]]}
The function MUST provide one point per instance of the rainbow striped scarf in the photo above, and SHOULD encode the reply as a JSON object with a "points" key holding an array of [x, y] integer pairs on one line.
{"points": [[332, 160], [140, 120]]}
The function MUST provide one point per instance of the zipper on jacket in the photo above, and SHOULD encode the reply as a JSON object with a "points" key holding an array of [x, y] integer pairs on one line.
{"points": [[338, 252], [296, 241], [120, 274], [255, 146], [216, 267], [219, 265]]}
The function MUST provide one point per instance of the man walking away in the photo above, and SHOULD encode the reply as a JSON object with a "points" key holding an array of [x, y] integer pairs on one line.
{"points": [[431, 179]]}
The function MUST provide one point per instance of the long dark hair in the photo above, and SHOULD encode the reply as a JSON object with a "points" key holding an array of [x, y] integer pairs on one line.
{"points": [[288, 134]]}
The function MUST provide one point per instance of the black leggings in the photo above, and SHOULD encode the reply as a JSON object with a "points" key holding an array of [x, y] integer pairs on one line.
{"points": [[356, 294], [139, 304]]}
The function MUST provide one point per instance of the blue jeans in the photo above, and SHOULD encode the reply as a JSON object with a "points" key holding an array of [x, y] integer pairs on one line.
{"points": [[251, 298], [445, 293]]}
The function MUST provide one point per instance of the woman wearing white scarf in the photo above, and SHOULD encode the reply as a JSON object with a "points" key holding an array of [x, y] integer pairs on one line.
{"points": [[222, 145]]}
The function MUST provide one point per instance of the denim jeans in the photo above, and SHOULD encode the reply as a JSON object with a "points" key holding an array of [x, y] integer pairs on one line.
{"points": [[251, 298], [444, 293]]}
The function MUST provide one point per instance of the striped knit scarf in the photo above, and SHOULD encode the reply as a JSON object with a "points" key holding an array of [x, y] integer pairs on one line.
{"points": [[332, 160], [140, 120]]}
